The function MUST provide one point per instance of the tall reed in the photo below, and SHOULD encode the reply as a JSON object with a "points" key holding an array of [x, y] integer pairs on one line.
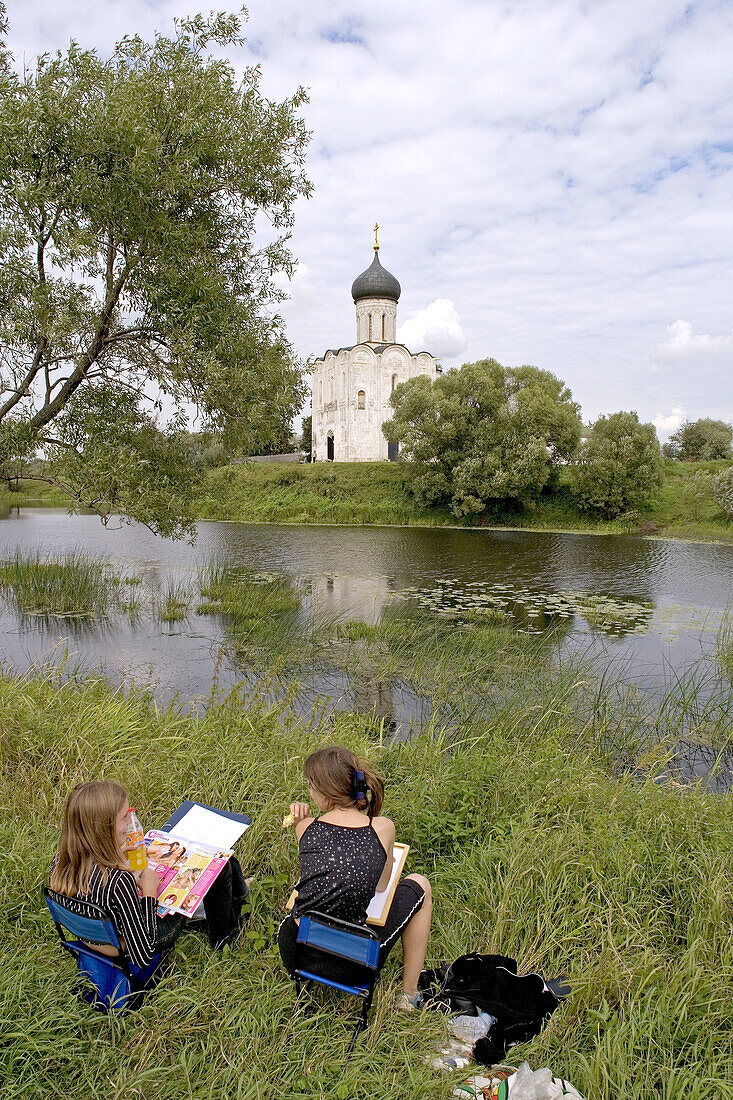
{"points": [[72, 584]]}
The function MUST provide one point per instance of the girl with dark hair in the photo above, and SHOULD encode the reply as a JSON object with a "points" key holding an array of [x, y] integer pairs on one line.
{"points": [[90, 866], [346, 857]]}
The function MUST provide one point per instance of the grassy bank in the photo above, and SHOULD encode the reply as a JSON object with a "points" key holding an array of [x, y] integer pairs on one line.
{"points": [[347, 492], [533, 849], [377, 493], [28, 492]]}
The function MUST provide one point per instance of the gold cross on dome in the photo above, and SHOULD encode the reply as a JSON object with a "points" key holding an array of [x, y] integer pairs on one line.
{"points": [[376, 238]]}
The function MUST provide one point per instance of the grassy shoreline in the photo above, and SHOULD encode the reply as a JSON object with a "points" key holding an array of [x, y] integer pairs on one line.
{"points": [[534, 850], [376, 494]]}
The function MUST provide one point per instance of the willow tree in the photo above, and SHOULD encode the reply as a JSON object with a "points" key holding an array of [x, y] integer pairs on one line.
{"points": [[483, 435], [145, 207]]}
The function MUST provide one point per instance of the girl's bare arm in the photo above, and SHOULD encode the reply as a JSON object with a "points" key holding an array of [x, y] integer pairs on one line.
{"points": [[385, 830]]}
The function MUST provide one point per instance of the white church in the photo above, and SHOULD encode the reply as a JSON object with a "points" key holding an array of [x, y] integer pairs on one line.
{"points": [[351, 386]]}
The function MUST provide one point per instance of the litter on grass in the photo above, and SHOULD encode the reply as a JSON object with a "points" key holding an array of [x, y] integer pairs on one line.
{"points": [[522, 1084]]}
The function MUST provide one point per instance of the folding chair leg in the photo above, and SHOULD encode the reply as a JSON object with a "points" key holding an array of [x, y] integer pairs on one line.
{"points": [[360, 1025], [363, 1022]]}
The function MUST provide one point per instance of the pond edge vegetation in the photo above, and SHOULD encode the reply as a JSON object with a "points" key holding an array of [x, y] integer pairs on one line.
{"points": [[377, 494]]}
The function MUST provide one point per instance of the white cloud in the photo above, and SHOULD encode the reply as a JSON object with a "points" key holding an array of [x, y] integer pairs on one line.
{"points": [[436, 329], [684, 344], [667, 423], [559, 172]]}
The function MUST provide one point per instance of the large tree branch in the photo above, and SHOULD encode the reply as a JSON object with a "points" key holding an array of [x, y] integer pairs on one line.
{"points": [[92, 505], [49, 232], [24, 388], [51, 442], [51, 408], [111, 252]]}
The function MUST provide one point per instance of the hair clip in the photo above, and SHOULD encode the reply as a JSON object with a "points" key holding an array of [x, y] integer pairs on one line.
{"points": [[359, 786]]}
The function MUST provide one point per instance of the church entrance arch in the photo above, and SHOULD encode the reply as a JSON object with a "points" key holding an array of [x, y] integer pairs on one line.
{"points": [[329, 447], [393, 451]]}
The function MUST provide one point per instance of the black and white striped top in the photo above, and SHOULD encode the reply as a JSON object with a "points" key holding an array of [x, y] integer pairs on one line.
{"points": [[134, 917]]}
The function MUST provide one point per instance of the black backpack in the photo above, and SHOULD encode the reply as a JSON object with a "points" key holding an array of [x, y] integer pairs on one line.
{"points": [[521, 1003]]}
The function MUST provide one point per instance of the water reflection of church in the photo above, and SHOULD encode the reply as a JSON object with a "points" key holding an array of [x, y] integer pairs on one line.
{"points": [[395, 703], [352, 385]]}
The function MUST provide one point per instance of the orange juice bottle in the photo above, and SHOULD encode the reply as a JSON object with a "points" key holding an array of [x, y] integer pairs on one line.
{"points": [[137, 857]]}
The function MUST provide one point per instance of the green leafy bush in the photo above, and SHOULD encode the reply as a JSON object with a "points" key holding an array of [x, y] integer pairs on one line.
{"points": [[619, 468], [482, 434], [723, 492]]}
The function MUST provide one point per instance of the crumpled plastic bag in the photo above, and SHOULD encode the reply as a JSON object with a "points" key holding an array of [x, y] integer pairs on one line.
{"points": [[539, 1084], [472, 1028]]}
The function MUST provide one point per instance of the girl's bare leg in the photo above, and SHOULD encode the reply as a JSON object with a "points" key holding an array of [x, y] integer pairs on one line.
{"points": [[415, 938]]}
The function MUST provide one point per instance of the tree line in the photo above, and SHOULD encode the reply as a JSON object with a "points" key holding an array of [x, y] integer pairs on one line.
{"points": [[488, 437]]}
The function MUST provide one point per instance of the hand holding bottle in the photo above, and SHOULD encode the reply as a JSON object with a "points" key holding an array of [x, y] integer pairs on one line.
{"points": [[137, 856]]}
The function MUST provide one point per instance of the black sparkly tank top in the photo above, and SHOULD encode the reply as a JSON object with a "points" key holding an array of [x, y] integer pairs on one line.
{"points": [[339, 870]]}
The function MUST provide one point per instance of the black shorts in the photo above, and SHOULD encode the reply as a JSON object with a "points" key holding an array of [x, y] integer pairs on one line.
{"points": [[407, 900]]}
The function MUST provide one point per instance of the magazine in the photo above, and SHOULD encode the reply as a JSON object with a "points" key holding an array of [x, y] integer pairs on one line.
{"points": [[186, 868]]}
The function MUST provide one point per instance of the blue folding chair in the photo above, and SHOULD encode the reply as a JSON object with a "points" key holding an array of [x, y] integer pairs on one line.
{"points": [[117, 984], [320, 942]]}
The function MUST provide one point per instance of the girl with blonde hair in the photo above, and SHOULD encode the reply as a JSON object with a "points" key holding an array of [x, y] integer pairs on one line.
{"points": [[346, 857], [90, 866]]}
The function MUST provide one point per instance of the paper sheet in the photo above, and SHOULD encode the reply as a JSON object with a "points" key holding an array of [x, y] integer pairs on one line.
{"points": [[376, 905], [209, 828]]}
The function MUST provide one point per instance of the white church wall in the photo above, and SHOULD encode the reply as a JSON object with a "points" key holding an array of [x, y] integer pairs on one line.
{"points": [[339, 379], [376, 321]]}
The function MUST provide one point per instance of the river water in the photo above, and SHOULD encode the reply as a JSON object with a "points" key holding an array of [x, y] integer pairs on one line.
{"points": [[667, 598]]}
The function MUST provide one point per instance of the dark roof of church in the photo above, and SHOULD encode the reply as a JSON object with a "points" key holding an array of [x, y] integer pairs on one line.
{"points": [[375, 282]]}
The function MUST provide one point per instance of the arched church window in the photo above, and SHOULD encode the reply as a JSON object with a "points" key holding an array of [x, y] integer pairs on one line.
{"points": [[343, 384], [384, 329], [394, 380], [370, 326], [361, 400], [320, 392]]}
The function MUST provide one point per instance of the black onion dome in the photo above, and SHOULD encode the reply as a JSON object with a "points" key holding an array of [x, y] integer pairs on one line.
{"points": [[375, 282]]}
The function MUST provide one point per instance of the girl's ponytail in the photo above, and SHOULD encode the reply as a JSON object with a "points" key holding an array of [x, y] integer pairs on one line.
{"points": [[373, 789]]}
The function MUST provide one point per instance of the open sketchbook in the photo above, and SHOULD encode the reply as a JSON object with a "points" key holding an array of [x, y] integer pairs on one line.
{"points": [[189, 853], [380, 904]]}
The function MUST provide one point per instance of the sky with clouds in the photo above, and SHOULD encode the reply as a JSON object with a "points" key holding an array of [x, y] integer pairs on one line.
{"points": [[553, 179]]}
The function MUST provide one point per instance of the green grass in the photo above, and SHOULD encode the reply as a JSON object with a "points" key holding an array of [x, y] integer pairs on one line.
{"points": [[72, 585], [26, 491], [378, 493], [724, 647], [241, 593], [261, 613], [685, 506], [174, 603], [349, 492], [533, 849]]}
